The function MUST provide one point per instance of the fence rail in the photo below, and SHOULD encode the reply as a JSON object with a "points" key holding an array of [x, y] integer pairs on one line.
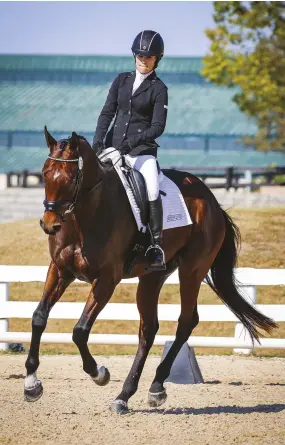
{"points": [[214, 177], [249, 278]]}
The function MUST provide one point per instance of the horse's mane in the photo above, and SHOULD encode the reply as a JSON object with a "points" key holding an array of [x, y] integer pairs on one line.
{"points": [[83, 138], [65, 142]]}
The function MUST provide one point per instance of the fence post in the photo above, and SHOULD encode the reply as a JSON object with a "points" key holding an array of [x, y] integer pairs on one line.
{"points": [[229, 177], [248, 180], [249, 293], [9, 179], [25, 178], [4, 296]]}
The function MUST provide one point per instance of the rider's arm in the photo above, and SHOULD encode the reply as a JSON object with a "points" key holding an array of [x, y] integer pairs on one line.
{"points": [[158, 121], [108, 112]]}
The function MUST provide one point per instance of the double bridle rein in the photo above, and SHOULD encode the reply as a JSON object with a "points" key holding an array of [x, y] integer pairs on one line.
{"points": [[54, 206]]}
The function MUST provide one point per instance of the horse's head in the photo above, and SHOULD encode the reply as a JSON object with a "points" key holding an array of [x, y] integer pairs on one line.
{"points": [[65, 172]]}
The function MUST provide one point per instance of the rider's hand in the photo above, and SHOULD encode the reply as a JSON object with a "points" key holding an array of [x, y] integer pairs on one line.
{"points": [[98, 147], [125, 147]]}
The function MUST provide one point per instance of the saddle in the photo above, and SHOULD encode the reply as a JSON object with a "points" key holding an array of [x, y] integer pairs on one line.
{"points": [[175, 212], [138, 187], [135, 180]]}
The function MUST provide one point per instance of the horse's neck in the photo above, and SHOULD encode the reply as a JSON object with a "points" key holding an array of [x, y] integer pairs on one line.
{"points": [[101, 214], [99, 199]]}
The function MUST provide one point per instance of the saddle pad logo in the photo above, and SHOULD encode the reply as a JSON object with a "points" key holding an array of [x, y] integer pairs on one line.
{"points": [[176, 217]]}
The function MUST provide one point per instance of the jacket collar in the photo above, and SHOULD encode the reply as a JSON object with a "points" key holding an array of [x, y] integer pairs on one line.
{"points": [[144, 85], [143, 76]]}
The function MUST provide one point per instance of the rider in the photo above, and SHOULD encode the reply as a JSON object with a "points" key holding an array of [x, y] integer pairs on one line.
{"points": [[138, 100]]}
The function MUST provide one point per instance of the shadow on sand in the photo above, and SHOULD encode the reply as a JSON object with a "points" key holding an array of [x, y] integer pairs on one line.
{"points": [[274, 408]]}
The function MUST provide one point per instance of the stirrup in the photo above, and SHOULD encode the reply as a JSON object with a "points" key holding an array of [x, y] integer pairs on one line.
{"points": [[155, 246], [157, 267]]}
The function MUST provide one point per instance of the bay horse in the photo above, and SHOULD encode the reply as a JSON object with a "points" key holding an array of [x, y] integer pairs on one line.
{"points": [[91, 229]]}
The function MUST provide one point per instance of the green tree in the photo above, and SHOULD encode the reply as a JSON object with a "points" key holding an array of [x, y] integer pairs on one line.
{"points": [[248, 52]]}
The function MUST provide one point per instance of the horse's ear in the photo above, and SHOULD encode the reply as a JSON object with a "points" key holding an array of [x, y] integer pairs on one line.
{"points": [[74, 141], [51, 142]]}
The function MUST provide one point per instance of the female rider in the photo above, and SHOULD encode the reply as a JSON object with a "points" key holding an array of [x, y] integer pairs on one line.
{"points": [[138, 100]]}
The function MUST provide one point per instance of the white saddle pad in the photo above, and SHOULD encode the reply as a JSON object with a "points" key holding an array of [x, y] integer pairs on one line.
{"points": [[175, 212]]}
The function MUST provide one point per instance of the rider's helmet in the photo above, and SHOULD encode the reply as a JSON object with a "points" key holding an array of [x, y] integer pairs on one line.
{"points": [[148, 43]]}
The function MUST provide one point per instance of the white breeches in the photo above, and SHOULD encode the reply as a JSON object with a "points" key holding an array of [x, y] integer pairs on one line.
{"points": [[146, 165]]}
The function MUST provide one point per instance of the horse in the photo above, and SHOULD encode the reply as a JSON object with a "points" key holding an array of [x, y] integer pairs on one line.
{"points": [[91, 229]]}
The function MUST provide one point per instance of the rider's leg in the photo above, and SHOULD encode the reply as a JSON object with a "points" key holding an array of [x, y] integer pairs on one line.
{"points": [[146, 165], [155, 222]]}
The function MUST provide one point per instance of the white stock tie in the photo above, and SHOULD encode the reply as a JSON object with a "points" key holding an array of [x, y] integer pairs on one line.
{"points": [[139, 80]]}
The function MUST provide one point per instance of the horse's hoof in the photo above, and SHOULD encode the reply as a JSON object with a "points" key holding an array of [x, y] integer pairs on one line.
{"points": [[119, 407], [157, 399], [103, 376], [33, 394]]}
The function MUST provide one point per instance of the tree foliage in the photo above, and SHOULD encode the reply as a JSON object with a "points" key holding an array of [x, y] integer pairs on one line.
{"points": [[248, 52]]}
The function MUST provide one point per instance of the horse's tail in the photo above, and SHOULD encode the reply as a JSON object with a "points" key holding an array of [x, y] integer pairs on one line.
{"points": [[224, 284]]}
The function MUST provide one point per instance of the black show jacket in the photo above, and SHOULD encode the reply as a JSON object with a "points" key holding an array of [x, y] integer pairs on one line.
{"points": [[140, 118]]}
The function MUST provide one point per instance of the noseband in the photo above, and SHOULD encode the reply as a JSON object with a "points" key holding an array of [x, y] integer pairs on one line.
{"points": [[54, 206]]}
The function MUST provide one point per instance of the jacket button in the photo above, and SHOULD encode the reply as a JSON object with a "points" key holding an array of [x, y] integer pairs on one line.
{"points": [[124, 134], [130, 100], [126, 123], [129, 112]]}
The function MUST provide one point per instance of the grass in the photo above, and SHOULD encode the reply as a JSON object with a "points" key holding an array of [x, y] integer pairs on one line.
{"points": [[263, 234]]}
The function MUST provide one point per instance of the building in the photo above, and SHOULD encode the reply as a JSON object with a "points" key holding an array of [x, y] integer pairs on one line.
{"points": [[66, 93]]}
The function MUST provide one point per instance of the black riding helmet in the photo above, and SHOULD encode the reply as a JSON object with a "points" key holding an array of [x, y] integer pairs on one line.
{"points": [[148, 43]]}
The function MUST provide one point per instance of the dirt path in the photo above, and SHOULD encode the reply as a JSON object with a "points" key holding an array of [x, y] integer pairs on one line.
{"points": [[241, 403]]}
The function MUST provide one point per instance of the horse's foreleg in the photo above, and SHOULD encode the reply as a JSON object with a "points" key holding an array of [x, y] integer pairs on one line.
{"points": [[147, 296], [55, 285], [189, 289], [100, 294]]}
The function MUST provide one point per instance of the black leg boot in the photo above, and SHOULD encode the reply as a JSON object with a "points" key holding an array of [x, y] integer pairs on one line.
{"points": [[154, 253]]}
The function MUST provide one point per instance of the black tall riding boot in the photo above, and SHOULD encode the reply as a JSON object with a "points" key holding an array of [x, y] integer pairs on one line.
{"points": [[154, 253]]}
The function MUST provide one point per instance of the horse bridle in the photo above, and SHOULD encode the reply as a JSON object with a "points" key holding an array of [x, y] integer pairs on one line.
{"points": [[54, 206]]}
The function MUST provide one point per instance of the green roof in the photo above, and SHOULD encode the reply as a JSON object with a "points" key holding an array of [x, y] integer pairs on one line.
{"points": [[114, 64], [67, 93], [65, 107]]}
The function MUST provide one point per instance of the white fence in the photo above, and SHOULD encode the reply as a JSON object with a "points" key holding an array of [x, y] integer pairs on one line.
{"points": [[248, 277]]}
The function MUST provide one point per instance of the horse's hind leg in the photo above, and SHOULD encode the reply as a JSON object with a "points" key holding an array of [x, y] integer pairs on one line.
{"points": [[55, 285], [188, 320], [147, 296]]}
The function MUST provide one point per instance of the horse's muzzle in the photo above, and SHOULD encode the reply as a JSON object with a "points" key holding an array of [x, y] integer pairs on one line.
{"points": [[50, 230]]}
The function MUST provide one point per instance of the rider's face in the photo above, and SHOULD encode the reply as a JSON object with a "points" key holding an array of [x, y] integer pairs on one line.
{"points": [[145, 64]]}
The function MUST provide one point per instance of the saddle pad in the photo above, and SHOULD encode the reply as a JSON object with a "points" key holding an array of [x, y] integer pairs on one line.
{"points": [[175, 212]]}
